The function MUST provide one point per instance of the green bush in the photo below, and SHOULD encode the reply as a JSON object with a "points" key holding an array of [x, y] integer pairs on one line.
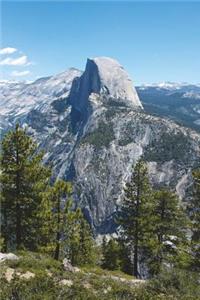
{"points": [[176, 283]]}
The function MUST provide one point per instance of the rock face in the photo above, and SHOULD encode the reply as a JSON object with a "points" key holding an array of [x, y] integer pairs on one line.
{"points": [[106, 77], [93, 128]]}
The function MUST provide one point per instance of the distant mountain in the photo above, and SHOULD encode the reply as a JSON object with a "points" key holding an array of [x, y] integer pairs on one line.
{"points": [[177, 101], [17, 99], [93, 128]]}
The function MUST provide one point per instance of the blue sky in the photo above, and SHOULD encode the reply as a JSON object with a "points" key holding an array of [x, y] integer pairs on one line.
{"points": [[154, 41]]}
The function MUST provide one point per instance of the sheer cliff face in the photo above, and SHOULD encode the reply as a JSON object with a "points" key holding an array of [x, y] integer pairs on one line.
{"points": [[104, 76], [94, 128]]}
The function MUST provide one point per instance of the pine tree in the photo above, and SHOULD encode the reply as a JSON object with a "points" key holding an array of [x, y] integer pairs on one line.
{"points": [[78, 240], [194, 214], [64, 231], [111, 254], [103, 249], [23, 178], [72, 237], [136, 213], [87, 249], [170, 229], [55, 208], [125, 255]]}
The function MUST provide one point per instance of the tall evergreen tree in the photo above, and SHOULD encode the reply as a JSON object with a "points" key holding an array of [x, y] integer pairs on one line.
{"points": [[55, 208], [64, 231], [23, 177], [125, 253], [194, 214], [170, 231], [116, 255], [136, 213], [87, 249], [79, 243], [111, 254]]}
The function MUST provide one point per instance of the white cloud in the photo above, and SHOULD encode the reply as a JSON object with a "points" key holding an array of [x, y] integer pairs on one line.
{"points": [[7, 50], [20, 73], [20, 61]]}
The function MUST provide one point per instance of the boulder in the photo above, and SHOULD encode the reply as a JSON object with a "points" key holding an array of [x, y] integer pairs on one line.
{"points": [[8, 256], [68, 266]]}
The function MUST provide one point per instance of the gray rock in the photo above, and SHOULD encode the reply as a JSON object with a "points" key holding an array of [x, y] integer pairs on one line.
{"points": [[68, 266], [8, 256]]}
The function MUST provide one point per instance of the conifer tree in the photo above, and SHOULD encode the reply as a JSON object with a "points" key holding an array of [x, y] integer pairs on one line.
{"points": [[170, 244], [72, 236], [103, 249], [23, 177], [125, 255], [79, 243], [194, 214], [111, 254], [87, 249], [136, 213], [55, 208], [64, 231]]}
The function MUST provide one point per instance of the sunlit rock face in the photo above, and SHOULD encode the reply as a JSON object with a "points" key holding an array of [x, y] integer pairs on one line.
{"points": [[105, 77], [93, 129]]}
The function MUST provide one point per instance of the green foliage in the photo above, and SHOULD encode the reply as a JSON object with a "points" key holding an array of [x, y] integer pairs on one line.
{"points": [[175, 284], [40, 287], [23, 179], [111, 254], [100, 137], [116, 255], [88, 284], [153, 224], [79, 245], [170, 224], [2, 243], [65, 232], [194, 214], [125, 253], [171, 146], [54, 212], [87, 248], [130, 131], [91, 283], [136, 215]]}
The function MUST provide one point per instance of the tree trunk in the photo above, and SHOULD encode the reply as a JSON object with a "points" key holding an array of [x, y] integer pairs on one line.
{"points": [[135, 267], [18, 209], [4, 231], [135, 260], [57, 250], [18, 226]]}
